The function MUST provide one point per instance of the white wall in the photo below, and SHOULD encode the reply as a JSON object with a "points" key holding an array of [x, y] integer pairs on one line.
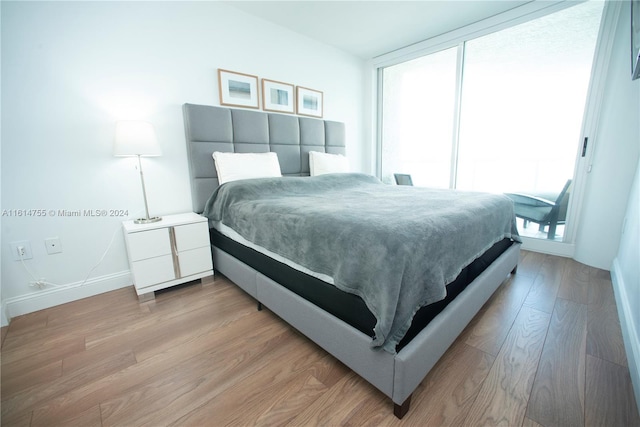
{"points": [[71, 69], [609, 233], [626, 281], [615, 157], [3, 312]]}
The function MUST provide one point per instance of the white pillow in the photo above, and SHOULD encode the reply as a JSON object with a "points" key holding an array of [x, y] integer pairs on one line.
{"points": [[235, 166], [322, 163]]}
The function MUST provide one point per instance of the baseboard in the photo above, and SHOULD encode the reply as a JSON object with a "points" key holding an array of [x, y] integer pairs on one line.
{"points": [[549, 247], [630, 334], [24, 304], [4, 321]]}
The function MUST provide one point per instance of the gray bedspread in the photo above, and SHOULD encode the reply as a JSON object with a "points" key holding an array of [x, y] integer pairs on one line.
{"points": [[395, 246]]}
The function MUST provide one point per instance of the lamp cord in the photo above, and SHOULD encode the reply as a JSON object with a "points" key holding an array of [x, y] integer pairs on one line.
{"points": [[41, 283]]}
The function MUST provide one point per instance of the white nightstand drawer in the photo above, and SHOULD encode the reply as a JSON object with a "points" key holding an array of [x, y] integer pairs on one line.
{"points": [[153, 270], [195, 261], [191, 236], [168, 252], [149, 244]]}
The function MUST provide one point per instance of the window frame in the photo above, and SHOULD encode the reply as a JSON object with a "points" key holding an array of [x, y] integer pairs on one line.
{"points": [[513, 17]]}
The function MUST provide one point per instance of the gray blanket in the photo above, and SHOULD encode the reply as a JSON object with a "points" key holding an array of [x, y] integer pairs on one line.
{"points": [[395, 246]]}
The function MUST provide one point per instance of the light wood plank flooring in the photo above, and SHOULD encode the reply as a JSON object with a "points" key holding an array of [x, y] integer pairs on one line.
{"points": [[546, 350]]}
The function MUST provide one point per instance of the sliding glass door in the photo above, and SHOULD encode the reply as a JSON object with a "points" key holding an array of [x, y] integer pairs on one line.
{"points": [[500, 113], [419, 99]]}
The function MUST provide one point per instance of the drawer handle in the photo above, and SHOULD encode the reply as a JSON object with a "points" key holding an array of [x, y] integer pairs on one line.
{"points": [[174, 252]]}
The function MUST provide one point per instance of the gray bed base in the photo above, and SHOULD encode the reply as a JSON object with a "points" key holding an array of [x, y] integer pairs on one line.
{"points": [[396, 375]]}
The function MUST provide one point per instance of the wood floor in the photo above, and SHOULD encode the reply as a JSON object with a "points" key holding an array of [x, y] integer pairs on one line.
{"points": [[545, 350]]}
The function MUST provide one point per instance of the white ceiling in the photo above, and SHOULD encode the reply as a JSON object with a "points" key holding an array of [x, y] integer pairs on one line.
{"points": [[371, 28]]}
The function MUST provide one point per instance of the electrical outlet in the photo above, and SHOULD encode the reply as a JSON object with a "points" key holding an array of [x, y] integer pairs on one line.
{"points": [[21, 250], [53, 245]]}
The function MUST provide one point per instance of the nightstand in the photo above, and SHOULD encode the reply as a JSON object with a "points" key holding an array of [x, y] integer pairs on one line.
{"points": [[169, 252]]}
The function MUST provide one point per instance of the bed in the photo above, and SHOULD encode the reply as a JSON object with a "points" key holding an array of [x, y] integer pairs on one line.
{"points": [[392, 353]]}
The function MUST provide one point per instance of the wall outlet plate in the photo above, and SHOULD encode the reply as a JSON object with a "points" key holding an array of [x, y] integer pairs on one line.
{"points": [[27, 249], [53, 245]]}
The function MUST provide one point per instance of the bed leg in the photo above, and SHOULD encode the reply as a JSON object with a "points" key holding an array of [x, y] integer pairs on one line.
{"points": [[259, 306], [515, 269], [401, 410]]}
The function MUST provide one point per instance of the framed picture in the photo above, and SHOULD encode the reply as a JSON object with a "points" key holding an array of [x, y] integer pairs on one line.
{"points": [[309, 102], [238, 89], [635, 39], [277, 96]]}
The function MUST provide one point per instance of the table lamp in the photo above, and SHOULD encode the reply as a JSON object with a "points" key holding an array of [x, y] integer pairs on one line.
{"points": [[137, 138]]}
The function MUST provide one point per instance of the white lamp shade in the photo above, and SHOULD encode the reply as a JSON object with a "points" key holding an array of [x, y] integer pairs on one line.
{"points": [[135, 138]]}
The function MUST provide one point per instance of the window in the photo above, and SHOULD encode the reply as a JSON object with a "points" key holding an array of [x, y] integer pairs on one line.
{"points": [[517, 127], [418, 116]]}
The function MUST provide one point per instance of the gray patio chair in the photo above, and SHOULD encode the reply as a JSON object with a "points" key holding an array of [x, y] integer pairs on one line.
{"points": [[543, 209]]}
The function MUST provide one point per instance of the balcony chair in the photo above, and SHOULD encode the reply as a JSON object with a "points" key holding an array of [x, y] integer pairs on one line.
{"points": [[402, 179], [543, 209]]}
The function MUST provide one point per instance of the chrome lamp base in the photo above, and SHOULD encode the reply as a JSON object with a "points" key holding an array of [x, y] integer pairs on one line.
{"points": [[147, 220]]}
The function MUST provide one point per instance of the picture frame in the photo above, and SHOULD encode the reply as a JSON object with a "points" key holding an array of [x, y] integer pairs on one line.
{"points": [[238, 89], [277, 96], [635, 39], [309, 102]]}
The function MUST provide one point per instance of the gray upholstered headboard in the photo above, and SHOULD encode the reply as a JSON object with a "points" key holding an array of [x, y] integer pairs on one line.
{"points": [[210, 129]]}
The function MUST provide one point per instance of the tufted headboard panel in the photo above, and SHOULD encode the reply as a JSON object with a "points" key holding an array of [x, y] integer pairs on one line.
{"points": [[210, 129]]}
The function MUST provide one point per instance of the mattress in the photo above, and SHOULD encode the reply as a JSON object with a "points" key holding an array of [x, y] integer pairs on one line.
{"points": [[395, 247], [348, 307]]}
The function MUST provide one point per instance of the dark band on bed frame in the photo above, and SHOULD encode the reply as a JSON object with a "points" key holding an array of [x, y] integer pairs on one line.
{"points": [[349, 307]]}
